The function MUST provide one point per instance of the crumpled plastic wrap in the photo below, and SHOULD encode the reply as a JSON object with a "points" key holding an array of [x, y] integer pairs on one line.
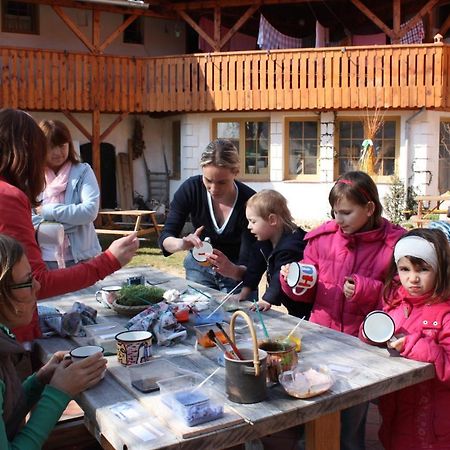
{"points": [[161, 321], [52, 321]]}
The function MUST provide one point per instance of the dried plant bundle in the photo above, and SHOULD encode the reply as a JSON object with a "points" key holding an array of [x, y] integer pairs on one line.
{"points": [[373, 123]]}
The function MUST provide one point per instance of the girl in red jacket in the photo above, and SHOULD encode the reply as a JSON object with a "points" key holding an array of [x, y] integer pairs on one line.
{"points": [[418, 417], [351, 254]]}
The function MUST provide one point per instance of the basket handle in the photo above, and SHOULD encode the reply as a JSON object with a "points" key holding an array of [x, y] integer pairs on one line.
{"points": [[246, 317]]}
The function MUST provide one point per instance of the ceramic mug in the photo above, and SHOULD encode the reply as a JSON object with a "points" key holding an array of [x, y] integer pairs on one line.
{"points": [[84, 351], [379, 327], [301, 277], [134, 347], [199, 254], [106, 295]]}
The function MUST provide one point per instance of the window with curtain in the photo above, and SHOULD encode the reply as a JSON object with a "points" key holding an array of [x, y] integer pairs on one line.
{"points": [[302, 144], [350, 135], [19, 17], [251, 138], [444, 157]]}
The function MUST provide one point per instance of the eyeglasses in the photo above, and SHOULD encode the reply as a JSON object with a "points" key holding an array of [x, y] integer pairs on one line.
{"points": [[25, 284]]}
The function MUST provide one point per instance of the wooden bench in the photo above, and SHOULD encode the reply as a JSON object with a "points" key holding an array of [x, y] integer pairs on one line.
{"points": [[428, 205], [134, 224]]}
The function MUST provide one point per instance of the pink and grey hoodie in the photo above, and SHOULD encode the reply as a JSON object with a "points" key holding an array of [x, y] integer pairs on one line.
{"points": [[364, 256]]}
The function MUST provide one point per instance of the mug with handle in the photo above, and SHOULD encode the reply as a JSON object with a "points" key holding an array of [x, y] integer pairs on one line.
{"points": [[379, 327], [301, 277]]}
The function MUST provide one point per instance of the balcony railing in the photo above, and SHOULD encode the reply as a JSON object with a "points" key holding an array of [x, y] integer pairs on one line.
{"points": [[410, 76]]}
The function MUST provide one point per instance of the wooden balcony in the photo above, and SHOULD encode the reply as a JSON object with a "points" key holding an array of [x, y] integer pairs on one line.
{"points": [[400, 77]]}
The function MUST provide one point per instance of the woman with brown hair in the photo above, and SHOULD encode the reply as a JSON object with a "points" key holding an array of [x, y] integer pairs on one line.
{"points": [[23, 151], [71, 197]]}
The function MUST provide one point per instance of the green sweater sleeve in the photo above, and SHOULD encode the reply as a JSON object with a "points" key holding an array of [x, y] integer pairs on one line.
{"points": [[44, 417]]}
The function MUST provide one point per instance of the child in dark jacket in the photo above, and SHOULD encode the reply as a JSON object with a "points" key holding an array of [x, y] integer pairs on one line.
{"points": [[279, 242]]}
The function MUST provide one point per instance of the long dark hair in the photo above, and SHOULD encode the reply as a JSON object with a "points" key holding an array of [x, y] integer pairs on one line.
{"points": [[10, 253], [23, 149]]}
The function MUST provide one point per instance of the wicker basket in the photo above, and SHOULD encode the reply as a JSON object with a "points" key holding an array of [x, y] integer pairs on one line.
{"points": [[128, 310]]}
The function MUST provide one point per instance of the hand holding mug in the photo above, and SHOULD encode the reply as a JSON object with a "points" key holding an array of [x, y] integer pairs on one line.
{"points": [[301, 277], [349, 287]]}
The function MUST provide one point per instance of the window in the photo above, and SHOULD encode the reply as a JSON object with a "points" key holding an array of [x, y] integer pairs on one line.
{"points": [[251, 138], [302, 144], [18, 17], [350, 136], [133, 33], [444, 157]]}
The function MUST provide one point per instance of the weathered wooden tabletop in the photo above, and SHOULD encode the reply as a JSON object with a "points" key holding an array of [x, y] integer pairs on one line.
{"points": [[372, 372]]}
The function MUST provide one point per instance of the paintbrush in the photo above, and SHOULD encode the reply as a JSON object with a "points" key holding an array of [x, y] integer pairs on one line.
{"points": [[266, 334], [199, 291], [219, 344], [233, 346], [224, 299], [205, 380]]}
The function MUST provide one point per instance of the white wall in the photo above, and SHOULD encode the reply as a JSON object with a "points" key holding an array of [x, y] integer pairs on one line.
{"points": [[55, 35]]}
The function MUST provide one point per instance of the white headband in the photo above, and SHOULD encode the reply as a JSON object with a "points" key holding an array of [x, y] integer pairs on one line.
{"points": [[418, 247]]}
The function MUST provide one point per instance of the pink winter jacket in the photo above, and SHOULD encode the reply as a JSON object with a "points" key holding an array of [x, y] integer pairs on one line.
{"points": [[418, 417], [364, 256]]}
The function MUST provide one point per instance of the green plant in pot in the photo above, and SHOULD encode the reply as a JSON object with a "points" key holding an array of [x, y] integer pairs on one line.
{"points": [[139, 295]]}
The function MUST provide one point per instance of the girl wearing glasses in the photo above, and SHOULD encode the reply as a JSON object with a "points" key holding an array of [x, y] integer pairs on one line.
{"points": [[50, 389]]}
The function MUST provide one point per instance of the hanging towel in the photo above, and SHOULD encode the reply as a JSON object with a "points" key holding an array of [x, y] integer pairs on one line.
{"points": [[322, 35], [270, 38], [415, 35]]}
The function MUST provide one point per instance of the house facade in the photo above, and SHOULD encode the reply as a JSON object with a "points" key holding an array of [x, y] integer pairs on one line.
{"points": [[298, 116]]}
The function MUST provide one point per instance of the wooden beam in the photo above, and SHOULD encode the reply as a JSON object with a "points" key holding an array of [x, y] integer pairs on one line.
{"points": [[129, 20], [210, 4], [73, 27], [375, 19], [96, 145], [75, 121], [445, 26], [217, 26], [249, 13], [166, 14], [397, 16], [195, 26], [116, 122], [96, 29]]}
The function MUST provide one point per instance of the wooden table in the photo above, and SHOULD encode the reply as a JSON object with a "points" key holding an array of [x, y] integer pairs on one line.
{"points": [[133, 224], [429, 204], [374, 372]]}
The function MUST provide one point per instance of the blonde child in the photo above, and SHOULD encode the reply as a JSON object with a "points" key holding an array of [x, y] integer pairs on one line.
{"points": [[417, 417], [351, 254], [279, 241]]}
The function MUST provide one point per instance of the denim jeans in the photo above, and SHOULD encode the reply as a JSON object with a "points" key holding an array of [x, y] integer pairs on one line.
{"points": [[207, 276], [353, 427]]}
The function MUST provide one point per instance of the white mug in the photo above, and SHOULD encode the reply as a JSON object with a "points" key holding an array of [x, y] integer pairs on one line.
{"points": [[379, 327], [106, 295], [301, 277], [79, 353]]}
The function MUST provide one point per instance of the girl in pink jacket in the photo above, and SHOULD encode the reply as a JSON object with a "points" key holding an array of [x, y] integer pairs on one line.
{"points": [[417, 417], [351, 254]]}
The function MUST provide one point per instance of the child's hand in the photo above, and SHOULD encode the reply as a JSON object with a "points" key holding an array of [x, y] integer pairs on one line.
{"points": [[262, 306], [349, 287], [284, 270], [398, 344]]}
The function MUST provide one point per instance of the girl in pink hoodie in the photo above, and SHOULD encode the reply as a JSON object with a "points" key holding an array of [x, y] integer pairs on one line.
{"points": [[351, 254], [417, 417]]}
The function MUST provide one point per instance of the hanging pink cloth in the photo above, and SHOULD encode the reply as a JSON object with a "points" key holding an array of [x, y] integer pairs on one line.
{"points": [[55, 184]]}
